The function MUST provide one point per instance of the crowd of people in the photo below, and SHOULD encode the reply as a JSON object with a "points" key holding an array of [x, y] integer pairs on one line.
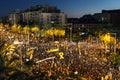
{"points": [[72, 60]]}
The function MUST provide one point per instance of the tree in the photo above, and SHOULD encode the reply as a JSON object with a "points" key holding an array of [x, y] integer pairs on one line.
{"points": [[46, 26], [16, 28], [26, 30], [107, 38], [115, 59], [35, 29]]}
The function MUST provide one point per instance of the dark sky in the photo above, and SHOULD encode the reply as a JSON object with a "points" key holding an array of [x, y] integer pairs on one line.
{"points": [[74, 8]]}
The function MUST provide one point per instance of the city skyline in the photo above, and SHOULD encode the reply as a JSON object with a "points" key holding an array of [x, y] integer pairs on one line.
{"points": [[72, 8]]}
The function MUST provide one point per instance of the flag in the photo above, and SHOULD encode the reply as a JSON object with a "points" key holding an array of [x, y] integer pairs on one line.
{"points": [[31, 56], [53, 50], [11, 47], [102, 78], [30, 53]]}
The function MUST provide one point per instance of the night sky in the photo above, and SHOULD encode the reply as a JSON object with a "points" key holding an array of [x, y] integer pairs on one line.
{"points": [[74, 8]]}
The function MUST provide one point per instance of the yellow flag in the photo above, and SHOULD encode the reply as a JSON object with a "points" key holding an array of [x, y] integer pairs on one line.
{"points": [[102, 78], [35, 29], [106, 77], [11, 47], [31, 56], [110, 76], [53, 50], [30, 51], [83, 78]]}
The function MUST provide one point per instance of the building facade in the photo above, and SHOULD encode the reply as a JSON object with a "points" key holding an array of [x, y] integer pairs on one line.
{"points": [[44, 15], [44, 18], [14, 17], [109, 16], [39, 14]]}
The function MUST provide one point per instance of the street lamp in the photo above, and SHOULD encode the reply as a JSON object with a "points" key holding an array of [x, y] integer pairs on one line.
{"points": [[71, 33], [28, 26], [114, 42], [52, 22]]}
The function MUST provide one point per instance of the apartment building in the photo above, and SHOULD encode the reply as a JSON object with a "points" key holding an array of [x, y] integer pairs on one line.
{"points": [[14, 17], [109, 16], [44, 14], [39, 14]]}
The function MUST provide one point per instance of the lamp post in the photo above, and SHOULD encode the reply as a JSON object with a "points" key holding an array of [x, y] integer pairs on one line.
{"points": [[71, 33], [28, 36], [52, 23], [114, 42], [14, 19], [109, 38], [28, 26]]}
